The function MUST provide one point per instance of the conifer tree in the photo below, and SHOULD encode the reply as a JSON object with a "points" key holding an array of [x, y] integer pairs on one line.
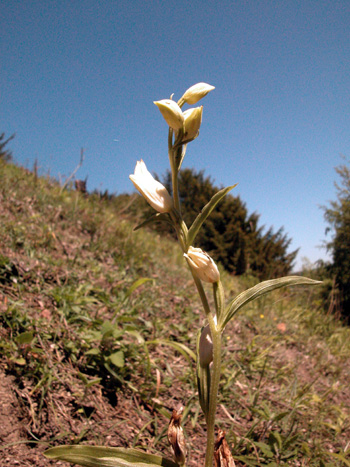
{"points": [[5, 154], [230, 233], [338, 217]]}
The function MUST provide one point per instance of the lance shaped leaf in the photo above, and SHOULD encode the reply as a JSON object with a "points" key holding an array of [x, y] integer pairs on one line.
{"points": [[261, 289], [178, 346], [204, 214], [203, 379], [159, 217], [137, 284], [99, 456]]}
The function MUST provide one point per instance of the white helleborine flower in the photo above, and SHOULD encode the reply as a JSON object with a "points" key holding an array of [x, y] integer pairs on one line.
{"points": [[197, 92], [154, 192], [202, 264], [205, 347], [193, 120], [171, 112]]}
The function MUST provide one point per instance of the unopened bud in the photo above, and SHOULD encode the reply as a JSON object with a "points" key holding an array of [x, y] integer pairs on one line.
{"points": [[171, 112], [176, 438], [202, 264], [222, 453], [193, 120], [205, 347], [197, 92]]}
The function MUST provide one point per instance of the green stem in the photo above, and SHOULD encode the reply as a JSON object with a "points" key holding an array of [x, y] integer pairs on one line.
{"points": [[174, 171], [219, 299], [182, 234], [180, 102], [174, 174], [214, 389], [181, 229], [201, 292]]}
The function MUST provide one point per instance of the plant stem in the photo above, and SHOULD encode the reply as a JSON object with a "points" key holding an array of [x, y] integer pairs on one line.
{"points": [[174, 171], [201, 293], [182, 234], [214, 388]]}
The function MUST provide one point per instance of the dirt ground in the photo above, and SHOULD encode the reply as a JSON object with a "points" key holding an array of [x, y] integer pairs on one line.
{"points": [[13, 433], [111, 423]]}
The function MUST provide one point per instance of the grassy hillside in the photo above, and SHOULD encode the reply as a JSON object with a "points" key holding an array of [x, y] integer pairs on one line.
{"points": [[98, 324]]}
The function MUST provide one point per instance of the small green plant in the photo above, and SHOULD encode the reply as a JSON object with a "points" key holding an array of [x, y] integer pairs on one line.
{"points": [[184, 127]]}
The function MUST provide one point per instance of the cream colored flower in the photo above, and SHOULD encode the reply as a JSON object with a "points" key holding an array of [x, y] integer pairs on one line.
{"points": [[154, 192], [197, 92], [171, 112], [202, 264], [193, 120]]}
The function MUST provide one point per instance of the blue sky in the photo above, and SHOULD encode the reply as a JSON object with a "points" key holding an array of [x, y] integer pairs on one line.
{"points": [[85, 73]]}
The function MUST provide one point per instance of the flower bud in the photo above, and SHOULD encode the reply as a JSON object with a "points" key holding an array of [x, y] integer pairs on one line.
{"points": [[197, 92], [193, 120], [154, 192], [202, 264], [205, 347], [176, 438], [171, 112]]}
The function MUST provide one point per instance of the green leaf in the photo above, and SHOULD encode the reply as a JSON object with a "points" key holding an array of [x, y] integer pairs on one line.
{"points": [[88, 383], [93, 382], [291, 441], [261, 289], [93, 351], [248, 461], [203, 380], [182, 348], [99, 456], [280, 416], [305, 449], [19, 361], [117, 358], [136, 285], [83, 378], [219, 297], [155, 218], [340, 457], [203, 383], [25, 337], [107, 329], [204, 214], [136, 334], [265, 448], [275, 438]]}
